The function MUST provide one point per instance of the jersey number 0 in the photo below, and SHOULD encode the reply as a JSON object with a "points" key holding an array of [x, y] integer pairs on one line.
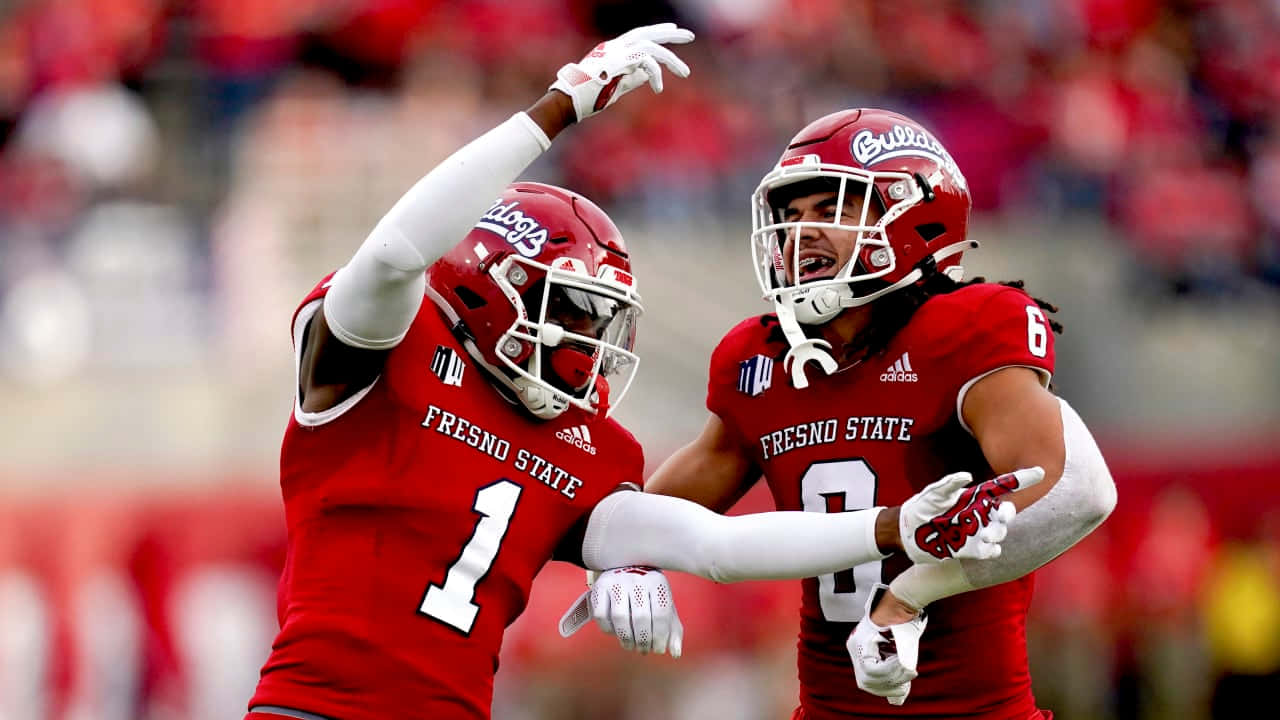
{"points": [[453, 603], [842, 486]]}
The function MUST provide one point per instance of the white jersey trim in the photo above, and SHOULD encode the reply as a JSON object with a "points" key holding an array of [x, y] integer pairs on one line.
{"points": [[1045, 377], [316, 419]]}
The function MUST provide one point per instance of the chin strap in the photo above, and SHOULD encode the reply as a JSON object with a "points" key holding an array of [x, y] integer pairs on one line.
{"points": [[803, 349]]}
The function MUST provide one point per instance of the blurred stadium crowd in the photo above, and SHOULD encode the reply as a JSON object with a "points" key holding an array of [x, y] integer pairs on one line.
{"points": [[174, 174]]}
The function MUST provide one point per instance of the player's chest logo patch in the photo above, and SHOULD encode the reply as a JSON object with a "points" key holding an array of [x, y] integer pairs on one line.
{"points": [[900, 371], [755, 375], [448, 366]]}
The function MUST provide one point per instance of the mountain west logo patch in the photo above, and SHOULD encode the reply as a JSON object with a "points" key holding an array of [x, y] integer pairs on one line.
{"points": [[755, 375], [447, 366]]}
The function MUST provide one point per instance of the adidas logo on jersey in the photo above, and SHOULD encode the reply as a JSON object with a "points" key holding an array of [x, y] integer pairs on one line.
{"points": [[900, 371], [578, 436]]}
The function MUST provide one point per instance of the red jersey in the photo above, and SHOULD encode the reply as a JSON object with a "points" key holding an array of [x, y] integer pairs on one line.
{"points": [[875, 434], [418, 513]]}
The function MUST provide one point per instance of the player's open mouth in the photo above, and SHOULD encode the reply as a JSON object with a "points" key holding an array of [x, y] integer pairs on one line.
{"points": [[816, 267]]}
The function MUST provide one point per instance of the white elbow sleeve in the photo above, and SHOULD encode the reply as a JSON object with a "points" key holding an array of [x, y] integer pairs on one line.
{"points": [[374, 298], [1084, 460], [1077, 504]]}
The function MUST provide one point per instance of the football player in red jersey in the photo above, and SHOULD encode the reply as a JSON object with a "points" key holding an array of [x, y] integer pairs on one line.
{"points": [[440, 453], [893, 371]]}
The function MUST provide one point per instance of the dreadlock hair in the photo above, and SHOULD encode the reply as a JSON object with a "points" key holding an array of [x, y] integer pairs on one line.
{"points": [[892, 312]]}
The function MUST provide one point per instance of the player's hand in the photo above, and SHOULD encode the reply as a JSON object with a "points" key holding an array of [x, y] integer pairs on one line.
{"points": [[884, 658], [616, 67], [634, 604], [950, 519]]}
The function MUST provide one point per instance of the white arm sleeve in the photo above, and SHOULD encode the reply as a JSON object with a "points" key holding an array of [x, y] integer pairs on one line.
{"points": [[633, 528], [1081, 499], [374, 298]]}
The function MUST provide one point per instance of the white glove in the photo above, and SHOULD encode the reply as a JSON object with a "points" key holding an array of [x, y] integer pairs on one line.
{"points": [[616, 67], [948, 519], [634, 604], [886, 672]]}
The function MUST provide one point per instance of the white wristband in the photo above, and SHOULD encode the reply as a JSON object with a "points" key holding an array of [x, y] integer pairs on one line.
{"points": [[920, 585]]}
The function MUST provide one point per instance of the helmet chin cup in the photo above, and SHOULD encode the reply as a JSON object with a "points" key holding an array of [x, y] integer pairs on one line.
{"points": [[541, 401], [804, 352], [818, 305]]}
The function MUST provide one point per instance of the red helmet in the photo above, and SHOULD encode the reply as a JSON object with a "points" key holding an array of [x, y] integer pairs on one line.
{"points": [[542, 291], [895, 166]]}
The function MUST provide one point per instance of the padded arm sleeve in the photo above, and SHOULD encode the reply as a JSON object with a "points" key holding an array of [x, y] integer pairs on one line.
{"points": [[375, 297], [631, 528], [1081, 499]]}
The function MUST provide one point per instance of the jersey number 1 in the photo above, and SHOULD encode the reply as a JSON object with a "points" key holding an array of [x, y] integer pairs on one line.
{"points": [[841, 486], [453, 603]]}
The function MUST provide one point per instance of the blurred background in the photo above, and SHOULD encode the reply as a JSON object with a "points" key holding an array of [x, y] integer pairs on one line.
{"points": [[176, 174]]}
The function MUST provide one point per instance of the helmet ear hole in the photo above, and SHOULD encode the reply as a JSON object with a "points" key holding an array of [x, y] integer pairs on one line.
{"points": [[931, 231], [469, 297]]}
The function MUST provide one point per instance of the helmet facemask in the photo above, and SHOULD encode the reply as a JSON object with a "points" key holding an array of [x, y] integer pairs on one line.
{"points": [[857, 281], [572, 336]]}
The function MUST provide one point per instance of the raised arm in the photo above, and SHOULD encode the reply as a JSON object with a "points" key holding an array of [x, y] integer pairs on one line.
{"points": [[373, 299]]}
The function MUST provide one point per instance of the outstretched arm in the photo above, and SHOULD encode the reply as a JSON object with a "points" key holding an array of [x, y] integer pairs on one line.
{"points": [[633, 533]]}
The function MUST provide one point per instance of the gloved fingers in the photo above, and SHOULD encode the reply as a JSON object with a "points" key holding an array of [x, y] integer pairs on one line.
{"points": [[944, 493], [983, 550], [900, 695], [641, 620], [676, 645], [661, 33], [906, 638], [577, 616], [620, 617], [994, 533], [649, 66], [1028, 476], [879, 667], [990, 537], [600, 608], [668, 58], [662, 626]]}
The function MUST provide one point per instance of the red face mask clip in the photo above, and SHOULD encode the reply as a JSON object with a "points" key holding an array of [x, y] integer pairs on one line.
{"points": [[492, 259]]}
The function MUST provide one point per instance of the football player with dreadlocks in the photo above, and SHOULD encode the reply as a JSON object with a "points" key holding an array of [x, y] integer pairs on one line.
{"points": [[450, 436], [892, 371]]}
